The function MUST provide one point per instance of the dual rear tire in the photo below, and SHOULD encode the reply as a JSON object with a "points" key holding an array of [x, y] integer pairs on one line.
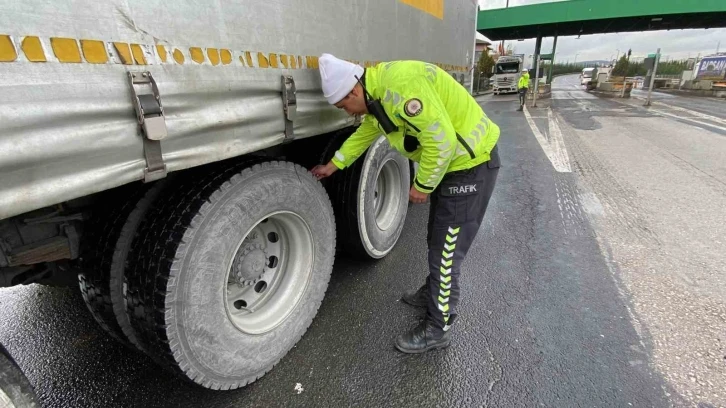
{"points": [[217, 274]]}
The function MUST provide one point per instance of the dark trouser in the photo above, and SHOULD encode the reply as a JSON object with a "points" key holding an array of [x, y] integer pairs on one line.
{"points": [[522, 96], [457, 208]]}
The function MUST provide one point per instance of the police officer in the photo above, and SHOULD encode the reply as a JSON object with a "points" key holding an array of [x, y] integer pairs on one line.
{"points": [[522, 87], [431, 119]]}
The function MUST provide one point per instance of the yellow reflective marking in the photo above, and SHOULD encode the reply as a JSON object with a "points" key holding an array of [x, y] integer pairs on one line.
{"points": [[66, 49], [138, 54], [33, 49], [124, 52], [94, 51], [213, 55], [162, 52], [69, 50], [197, 54], [273, 60], [7, 49], [226, 57], [433, 7], [178, 56], [262, 60]]}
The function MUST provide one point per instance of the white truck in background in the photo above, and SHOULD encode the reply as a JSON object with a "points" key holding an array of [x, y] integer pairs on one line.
{"points": [[586, 76], [507, 71], [158, 155]]}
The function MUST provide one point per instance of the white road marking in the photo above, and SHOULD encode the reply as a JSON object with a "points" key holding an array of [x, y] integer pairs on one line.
{"points": [[692, 112], [556, 151], [659, 112], [558, 143]]}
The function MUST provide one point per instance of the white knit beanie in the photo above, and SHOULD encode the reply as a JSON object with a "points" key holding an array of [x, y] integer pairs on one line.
{"points": [[338, 77]]}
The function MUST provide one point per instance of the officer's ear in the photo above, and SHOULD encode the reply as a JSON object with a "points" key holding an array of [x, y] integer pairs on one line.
{"points": [[357, 91]]}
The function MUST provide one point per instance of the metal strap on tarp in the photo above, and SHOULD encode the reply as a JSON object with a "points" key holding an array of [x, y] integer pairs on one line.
{"points": [[152, 122], [289, 105]]}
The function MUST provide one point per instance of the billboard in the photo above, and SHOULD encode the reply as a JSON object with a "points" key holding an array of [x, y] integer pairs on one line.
{"points": [[712, 68]]}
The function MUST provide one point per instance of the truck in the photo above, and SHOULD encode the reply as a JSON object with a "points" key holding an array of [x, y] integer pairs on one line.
{"points": [[159, 156], [507, 71], [586, 76]]}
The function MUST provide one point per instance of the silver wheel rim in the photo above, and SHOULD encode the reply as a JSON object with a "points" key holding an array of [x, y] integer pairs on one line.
{"points": [[269, 273], [387, 195]]}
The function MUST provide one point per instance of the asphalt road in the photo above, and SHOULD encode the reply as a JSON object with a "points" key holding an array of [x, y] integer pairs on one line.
{"points": [[552, 314]]}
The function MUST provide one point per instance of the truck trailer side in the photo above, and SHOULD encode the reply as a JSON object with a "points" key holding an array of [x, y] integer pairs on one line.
{"points": [[158, 155]]}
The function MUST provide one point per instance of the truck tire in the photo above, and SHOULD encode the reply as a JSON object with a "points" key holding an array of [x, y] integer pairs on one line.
{"points": [[15, 389], [102, 277], [370, 199], [228, 271], [98, 250]]}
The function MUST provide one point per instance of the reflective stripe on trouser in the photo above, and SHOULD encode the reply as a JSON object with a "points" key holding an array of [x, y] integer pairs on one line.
{"points": [[457, 208]]}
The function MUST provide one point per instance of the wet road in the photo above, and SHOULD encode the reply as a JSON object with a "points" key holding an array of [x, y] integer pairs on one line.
{"points": [[550, 313]]}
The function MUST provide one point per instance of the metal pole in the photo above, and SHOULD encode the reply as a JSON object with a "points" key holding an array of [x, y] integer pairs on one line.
{"points": [[536, 84], [537, 49], [552, 61], [652, 78], [625, 78]]}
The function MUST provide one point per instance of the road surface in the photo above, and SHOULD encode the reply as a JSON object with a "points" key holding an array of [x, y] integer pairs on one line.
{"points": [[597, 279]]}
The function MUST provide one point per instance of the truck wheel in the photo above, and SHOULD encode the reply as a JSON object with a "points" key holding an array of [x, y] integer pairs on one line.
{"points": [[370, 199], [228, 271], [15, 389], [98, 252], [102, 277]]}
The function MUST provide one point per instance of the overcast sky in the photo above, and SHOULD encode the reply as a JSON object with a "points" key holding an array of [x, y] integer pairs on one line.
{"points": [[676, 44]]}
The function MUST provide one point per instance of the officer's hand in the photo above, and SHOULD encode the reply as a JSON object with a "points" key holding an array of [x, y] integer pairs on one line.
{"points": [[324, 170], [416, 196]]}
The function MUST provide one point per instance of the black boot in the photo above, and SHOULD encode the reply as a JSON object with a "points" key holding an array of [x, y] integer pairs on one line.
{"points": [[426, 336], [419, 298]]}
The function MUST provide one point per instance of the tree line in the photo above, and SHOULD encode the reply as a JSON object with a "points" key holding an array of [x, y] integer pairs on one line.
{"points": [[625, 68], [622, 67]]}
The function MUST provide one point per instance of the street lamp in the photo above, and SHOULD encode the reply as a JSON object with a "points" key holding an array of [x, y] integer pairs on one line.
{"points": [[576, 54]]}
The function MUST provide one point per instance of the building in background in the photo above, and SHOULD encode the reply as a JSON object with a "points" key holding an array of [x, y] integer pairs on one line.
{"points": [[482, 45]]}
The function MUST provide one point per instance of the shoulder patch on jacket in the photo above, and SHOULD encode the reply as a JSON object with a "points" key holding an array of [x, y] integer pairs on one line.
{"points": [[413, 107]]}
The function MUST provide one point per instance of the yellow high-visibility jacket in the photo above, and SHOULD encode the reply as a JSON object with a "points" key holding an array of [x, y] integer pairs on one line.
{"points": [[523, 81], [424, 101]]}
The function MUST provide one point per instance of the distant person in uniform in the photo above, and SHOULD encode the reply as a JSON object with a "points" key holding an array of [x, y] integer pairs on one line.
{"points": [[522, 87]]}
